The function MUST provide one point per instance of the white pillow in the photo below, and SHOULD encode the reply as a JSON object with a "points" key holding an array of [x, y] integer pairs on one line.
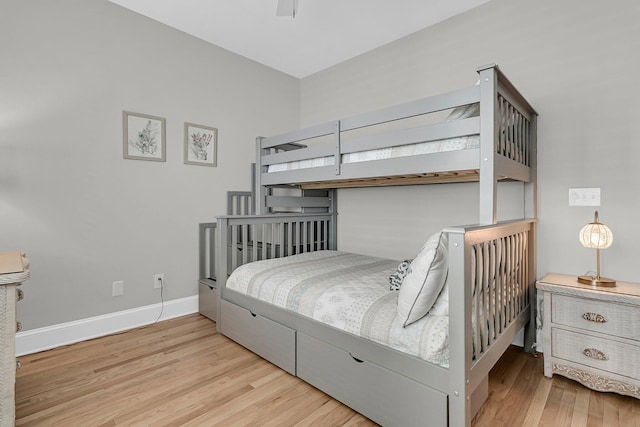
{"points": [[425, 278], [441, 306]]}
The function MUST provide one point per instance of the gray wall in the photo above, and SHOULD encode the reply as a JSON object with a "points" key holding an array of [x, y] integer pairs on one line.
{"points": [[576, 61], [85, 216]]}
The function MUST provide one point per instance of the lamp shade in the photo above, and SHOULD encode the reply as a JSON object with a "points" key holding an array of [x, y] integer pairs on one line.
{"points": [[596, 235]]}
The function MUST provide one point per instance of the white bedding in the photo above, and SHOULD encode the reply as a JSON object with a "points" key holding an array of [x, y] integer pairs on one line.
{"points": [[452, 144], [349, 292]]}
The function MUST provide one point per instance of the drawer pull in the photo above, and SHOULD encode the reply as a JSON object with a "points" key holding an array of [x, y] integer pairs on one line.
{"points": [[594, 354], [356, 359], [18, 364], [252, 313], [20, 295], [594, 317], [18, 326]]}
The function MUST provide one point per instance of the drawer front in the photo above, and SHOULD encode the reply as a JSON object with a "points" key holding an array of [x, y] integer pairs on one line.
{"points": [[386, 397], [208, 299], [607, 355], [608, 318], [266, 338]]}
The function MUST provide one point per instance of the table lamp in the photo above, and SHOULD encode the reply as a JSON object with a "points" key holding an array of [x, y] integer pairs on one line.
{"points": [[596, 235]]}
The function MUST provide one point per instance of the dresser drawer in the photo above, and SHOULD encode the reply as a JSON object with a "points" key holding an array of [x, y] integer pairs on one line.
{"points": [[603, 354], [605, 317]]}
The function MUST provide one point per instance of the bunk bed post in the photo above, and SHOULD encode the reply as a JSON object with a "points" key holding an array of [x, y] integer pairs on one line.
{"points": [[530, 188], [530, 329], [221, 244], [333, 225], [259, 190], [531, 211], [460, 350], [253, 188], [488, 137], [338, 151]]}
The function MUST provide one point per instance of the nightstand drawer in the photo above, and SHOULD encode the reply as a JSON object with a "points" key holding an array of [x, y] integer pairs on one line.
{"points": [[608, 318], [606, 355]]}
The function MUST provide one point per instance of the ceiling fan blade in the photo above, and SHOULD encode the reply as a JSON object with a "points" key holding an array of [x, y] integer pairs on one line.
{"points": [[287, 8]]}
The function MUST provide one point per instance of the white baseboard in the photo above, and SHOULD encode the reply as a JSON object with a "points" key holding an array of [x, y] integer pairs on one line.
{"points": [[35, 340]]}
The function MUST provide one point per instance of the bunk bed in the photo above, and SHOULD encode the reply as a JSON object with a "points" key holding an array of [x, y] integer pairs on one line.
{"points": [[485, 285]]}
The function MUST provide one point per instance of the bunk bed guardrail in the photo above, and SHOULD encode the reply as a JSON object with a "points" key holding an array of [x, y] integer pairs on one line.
{"points": [[243, 239], [504, 125]]}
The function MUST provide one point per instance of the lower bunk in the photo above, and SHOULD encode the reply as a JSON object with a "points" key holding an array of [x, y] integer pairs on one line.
{"points": [[353, 341]]}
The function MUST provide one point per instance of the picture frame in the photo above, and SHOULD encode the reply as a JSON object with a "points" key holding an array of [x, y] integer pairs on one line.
{"points": [[200, 145], [143, 137]]}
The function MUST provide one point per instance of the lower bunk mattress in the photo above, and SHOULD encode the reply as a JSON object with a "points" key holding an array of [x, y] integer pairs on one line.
{"points": [[350, 292]]}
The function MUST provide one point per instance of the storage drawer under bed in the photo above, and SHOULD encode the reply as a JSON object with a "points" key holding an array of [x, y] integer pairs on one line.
{"points": [[386, 397], [266, 338]]}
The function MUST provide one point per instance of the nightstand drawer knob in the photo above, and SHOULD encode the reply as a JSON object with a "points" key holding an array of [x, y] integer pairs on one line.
{"points": [[594, 317], [20, 295], [18, 326], [594, 354]]}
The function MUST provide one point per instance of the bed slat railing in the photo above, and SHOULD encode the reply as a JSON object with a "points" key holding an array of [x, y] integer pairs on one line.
{"points": [[491, 269], [498, 280], [513, 132], [248, 238], [239, 202]]}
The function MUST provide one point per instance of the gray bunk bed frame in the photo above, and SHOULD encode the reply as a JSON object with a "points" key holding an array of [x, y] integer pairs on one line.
{"points": [[388, 386]]}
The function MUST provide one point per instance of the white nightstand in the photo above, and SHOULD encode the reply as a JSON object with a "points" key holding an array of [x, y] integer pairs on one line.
{"points": [[592, 335]]}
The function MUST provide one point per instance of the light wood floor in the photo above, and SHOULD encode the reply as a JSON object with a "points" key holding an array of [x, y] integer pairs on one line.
{"points": [[182, 372]]}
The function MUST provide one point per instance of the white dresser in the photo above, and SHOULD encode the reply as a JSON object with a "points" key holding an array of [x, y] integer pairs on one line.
{"points": [[13, 271], [592, 335]]}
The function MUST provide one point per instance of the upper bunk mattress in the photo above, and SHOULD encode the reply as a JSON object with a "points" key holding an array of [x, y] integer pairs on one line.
{"points": [[439, 146], [349, 292]]}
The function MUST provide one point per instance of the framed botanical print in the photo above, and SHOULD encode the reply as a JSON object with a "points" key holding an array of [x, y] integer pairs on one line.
{"points": [[200, 145], [143, 137]]}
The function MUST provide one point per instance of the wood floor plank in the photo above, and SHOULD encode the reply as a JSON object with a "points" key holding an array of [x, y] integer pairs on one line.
{"points": [[630, 412], [538, 400], [581, 407], [181, 372]]}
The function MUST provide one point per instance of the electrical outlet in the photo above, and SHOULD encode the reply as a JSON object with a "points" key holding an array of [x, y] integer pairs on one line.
{"points": [[158, 281], [117, 289]]}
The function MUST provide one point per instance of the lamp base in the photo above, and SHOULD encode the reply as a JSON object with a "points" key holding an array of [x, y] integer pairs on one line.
{"points": [[597, 281]]}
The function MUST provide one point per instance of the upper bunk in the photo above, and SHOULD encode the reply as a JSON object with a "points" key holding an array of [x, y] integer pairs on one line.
{"points": [[484, 133]]}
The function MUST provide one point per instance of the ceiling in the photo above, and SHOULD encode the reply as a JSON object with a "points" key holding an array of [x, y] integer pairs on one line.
{"points": [[322, 34]]}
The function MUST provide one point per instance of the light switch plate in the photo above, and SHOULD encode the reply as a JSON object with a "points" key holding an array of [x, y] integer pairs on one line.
{"points": [[584, 197]]}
